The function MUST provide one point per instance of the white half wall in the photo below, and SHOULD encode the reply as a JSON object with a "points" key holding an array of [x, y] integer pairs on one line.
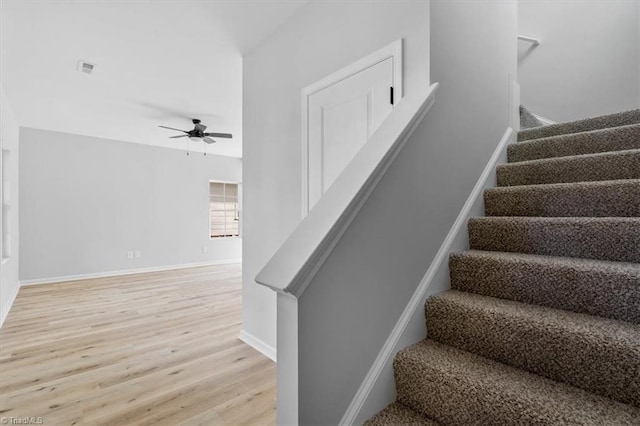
{"points": [[355, 299], [85, 202], [9, 138], [588, 61], [321, 38]]}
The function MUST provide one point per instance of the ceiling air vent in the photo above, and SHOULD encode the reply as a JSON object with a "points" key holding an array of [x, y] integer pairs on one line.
{"points": [[86, 67]]}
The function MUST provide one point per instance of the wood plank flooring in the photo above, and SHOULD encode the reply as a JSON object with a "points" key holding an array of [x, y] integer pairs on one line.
{"points": [[147, 349]]}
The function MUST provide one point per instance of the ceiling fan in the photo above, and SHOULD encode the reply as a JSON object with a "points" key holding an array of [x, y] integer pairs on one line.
{"points": [[198, 133]]}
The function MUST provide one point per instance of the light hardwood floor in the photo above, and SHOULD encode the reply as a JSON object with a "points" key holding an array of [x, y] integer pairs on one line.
{"points": [[146, 349]]}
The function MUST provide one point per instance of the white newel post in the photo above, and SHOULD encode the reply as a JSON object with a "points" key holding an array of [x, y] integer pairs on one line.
{"points": [[287, 366]]}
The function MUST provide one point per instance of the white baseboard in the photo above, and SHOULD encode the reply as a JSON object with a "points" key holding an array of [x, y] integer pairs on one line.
{"points": [[7, 307], [544, 121], [52, 280], [259, 345], [416, 303]]}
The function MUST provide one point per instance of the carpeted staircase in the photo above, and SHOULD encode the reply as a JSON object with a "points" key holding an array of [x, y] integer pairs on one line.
{"points": [[542, 324]]}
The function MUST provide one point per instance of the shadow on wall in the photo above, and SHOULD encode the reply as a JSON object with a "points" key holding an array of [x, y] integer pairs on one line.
{"points": [[523, 53]]}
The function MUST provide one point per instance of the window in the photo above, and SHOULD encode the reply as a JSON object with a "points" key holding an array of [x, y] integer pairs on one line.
{"points": [[224, 212]]}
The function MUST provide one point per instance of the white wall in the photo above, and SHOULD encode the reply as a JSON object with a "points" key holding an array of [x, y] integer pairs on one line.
{"points": [[9, 136], [86, 201], [320, 39], [588, 62], [354, 301]]}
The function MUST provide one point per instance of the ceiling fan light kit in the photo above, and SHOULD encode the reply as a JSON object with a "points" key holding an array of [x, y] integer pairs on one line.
{"points": [[198, 134]]}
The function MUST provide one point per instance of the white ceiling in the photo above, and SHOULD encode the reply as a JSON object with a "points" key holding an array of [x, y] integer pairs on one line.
{"points": [[158, 62]]}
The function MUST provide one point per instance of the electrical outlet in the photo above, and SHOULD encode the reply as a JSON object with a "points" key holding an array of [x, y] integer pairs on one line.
{"points": [[129, 255], [205, 249], [137, 254]]}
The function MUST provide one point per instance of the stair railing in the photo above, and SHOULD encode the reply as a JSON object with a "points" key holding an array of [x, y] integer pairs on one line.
{"points": [[293, 266], [532, 40]]}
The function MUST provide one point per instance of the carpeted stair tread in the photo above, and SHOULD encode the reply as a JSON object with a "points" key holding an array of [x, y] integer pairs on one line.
{"points": [[452, 386], [578, 168], [599, 355], [399, 415], [528, 120], [600, 198], [585, 125], [542, 325], [606, 289], [602, 140], [610, 238]]}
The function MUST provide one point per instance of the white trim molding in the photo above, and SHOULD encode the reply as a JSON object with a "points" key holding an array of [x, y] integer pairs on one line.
{"points": [[296, 262], [259, 345], [416, 303], [544, 121], [514, 102], [7, 307], [52, 280], [393, 51]]}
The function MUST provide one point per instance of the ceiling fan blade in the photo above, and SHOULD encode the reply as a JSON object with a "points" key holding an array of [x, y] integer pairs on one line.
{"points": [[179, 136], [220, 135], [208, 140], [173, 128], [200, 127]]}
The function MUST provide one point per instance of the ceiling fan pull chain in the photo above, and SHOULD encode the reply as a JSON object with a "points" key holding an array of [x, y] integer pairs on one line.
{"points": [[187, 146], [205, 149]]}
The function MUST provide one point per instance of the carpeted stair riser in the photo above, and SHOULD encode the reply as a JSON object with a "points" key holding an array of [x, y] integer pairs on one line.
{"points": [[586, 125], [456, 387], [399, 414], [596, 199], [604, 140], [596, 354], [606, 289], [528, 120], [615, 239], [580, 168]]}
